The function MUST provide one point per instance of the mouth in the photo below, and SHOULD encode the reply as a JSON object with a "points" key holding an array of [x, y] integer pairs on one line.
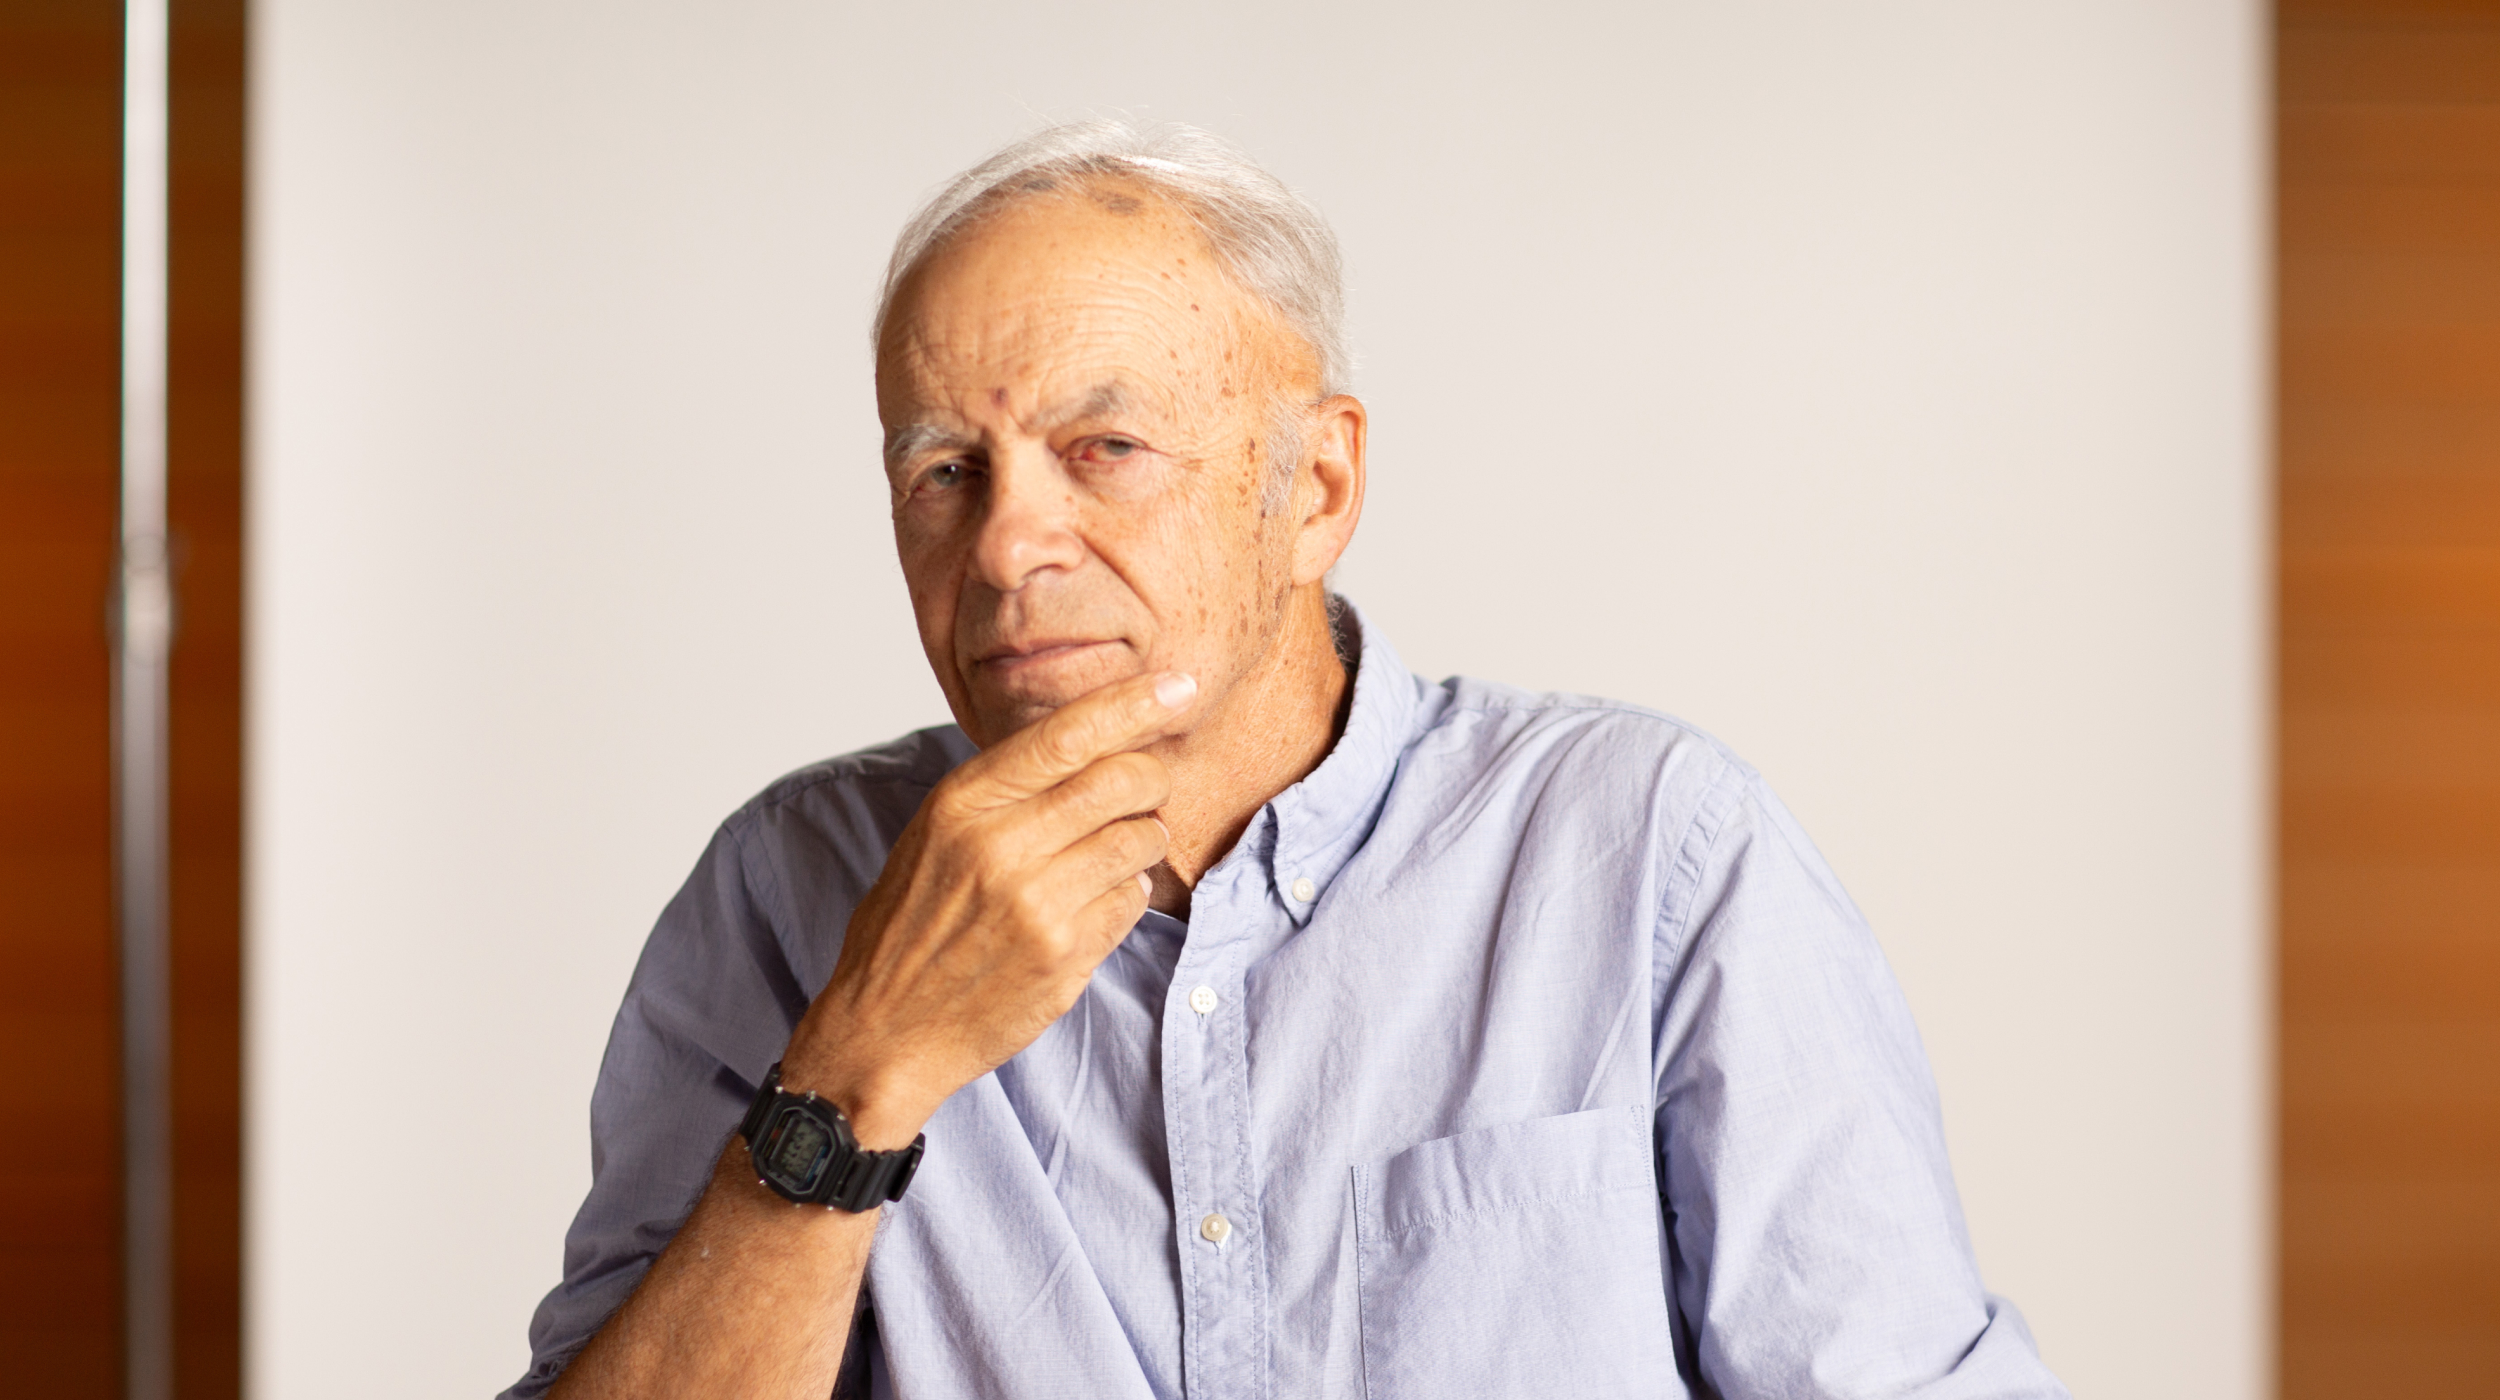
{"points": [[1026, 655]]}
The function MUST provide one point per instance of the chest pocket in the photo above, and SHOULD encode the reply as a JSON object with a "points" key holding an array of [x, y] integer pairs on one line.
{"points": [[1516, 1261]]}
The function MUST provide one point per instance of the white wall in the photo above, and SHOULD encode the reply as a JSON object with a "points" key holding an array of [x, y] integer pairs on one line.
{"points": [[1875, 385]]}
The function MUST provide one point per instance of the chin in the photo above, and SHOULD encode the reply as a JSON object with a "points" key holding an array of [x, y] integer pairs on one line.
{"points": [[1017, 694], [998, 719], [1000, 711]]}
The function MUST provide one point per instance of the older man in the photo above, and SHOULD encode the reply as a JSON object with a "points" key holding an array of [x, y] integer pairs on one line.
{"points": [[1216, 1009]]}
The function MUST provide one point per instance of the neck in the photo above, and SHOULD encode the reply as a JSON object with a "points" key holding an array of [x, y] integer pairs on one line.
{"points": [[1273, 728]]}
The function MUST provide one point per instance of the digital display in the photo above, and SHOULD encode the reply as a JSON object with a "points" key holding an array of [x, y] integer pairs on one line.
{"points": [[801, 1150]]}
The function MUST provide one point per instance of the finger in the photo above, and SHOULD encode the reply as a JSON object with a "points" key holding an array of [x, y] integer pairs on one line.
{"points": [[1108, 858], [1123, 785], [1107, 918], [1114, 719]]}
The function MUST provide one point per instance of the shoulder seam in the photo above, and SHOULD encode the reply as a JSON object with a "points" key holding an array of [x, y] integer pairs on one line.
{"points": [[841, 768], [778, 794], [1531, 703], [1715, 815]]}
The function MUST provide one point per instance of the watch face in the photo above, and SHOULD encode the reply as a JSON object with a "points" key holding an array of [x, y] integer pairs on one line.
{"points": [[796, 1148]]}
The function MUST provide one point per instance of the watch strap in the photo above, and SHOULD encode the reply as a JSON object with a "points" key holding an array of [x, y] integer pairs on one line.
{"points": [[760, 1107], [872, 1178]]}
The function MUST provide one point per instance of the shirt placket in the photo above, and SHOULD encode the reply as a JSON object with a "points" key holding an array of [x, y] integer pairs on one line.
{"points": [[1206, 1105]]}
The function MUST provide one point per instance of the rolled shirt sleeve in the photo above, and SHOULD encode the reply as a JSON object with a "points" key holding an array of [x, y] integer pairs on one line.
{"points": [[711, 1003], [1816, 1240]]}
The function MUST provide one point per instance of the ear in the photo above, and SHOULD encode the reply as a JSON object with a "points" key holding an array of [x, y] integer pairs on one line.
{"points": [[1328, 492]]}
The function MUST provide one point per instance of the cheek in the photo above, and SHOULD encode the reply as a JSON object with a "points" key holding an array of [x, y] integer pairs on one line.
{"points": [[1216, 576], [930, 574]]}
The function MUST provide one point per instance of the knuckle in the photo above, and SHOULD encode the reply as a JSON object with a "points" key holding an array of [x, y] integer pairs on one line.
{"points": [[1157, 779], [1053, 940], [1090, 783], [1026, 909], [990, 886], [947, 805], [1141, 779], [1103, 790], [976, 849], [1061, 743]]}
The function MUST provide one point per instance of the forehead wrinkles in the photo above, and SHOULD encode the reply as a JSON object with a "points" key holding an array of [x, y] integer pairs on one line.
{"points": [[1028, 343], [1049, 255], [1052, 298], [1035, 370]]}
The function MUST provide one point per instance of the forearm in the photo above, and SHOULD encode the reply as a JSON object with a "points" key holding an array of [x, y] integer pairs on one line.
{"points": [[1018, 875], [753, 1298]]}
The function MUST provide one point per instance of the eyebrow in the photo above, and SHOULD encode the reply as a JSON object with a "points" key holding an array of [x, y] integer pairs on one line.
{"points": [[1110, 396], [910, 440]]}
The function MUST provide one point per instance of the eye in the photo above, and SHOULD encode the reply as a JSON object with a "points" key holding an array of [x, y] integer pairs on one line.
{"points": [[945, 476], [1109, 448]]}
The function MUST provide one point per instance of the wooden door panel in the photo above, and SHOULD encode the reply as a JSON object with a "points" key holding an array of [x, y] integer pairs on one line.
{"points": [[60, 174], [2388, 363]]}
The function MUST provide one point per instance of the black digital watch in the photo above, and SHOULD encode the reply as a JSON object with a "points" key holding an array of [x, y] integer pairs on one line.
{"points": [[804, 1150]]}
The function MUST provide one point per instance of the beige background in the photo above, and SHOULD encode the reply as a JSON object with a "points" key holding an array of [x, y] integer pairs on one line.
{"points": [[1876, 386]]}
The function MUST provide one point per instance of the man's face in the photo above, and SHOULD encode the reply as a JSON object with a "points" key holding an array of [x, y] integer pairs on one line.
{"points": [[1078, 405]]}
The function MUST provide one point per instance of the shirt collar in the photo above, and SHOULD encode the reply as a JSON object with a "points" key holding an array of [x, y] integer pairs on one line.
{"points": [[1314, 827]]}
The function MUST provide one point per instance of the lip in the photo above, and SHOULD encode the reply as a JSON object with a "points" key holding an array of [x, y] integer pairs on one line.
{"points": [[1037, 652]]}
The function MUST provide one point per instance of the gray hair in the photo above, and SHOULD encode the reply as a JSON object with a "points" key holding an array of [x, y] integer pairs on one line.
{"points": [[1267, 238]]}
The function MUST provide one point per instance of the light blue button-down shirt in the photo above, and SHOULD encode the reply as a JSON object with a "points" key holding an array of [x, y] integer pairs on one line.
{"points": [[1525, 1048]]}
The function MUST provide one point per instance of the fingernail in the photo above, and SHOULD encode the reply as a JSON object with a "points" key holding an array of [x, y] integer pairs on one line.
{"points": [[1175, 689], [1146, 882]]}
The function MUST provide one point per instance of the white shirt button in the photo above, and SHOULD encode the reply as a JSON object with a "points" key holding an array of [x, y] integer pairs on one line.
{"points": [[1304, 891], [1202, 1000], [1215, 1229]]}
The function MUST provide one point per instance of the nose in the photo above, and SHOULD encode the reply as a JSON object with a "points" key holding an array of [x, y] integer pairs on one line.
{"points": [[1028, 522]]}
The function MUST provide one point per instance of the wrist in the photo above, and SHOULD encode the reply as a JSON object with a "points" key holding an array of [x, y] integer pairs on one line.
{"points": [[883, 1111]]}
